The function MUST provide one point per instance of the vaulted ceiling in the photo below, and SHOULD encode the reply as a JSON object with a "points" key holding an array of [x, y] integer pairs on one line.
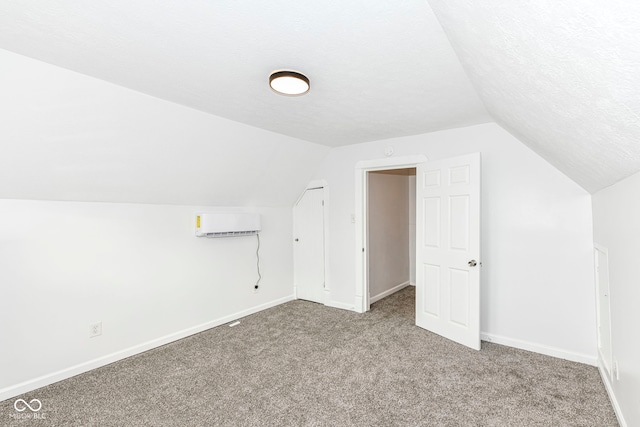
{"points": [[561, 76], [378, 69]]}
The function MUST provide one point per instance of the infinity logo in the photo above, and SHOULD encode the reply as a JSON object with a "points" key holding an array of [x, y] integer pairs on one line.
{"points": [[26, 405]]}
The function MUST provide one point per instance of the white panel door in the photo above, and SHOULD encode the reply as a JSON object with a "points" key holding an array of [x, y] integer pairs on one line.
{"points": [[308, 249], [604, 313], [448, 248]]}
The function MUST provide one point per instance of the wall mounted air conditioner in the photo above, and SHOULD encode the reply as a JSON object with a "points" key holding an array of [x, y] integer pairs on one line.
{"points": [[227, 224]]}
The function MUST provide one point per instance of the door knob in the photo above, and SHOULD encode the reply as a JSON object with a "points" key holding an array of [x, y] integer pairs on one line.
{"points": [[472, 263]]}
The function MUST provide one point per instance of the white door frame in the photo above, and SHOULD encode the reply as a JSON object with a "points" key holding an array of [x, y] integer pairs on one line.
{"points": [[362, 168], [318, 184]]}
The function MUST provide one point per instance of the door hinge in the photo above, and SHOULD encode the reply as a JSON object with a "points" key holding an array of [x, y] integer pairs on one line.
{"points": [[323, 203], [362, 249]]}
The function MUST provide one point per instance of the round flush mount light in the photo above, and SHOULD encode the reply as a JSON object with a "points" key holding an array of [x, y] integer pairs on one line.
{"points": [[290, 83]]}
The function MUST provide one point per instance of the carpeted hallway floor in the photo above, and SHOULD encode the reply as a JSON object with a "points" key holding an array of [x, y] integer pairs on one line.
{"points": [[303, 364]]}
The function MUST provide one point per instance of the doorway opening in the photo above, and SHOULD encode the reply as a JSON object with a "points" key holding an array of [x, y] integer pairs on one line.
{"points": [[363, 168], [391, 221]]}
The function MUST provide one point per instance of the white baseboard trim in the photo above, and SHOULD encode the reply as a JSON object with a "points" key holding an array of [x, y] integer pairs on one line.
{"points": [[359, 305], [388, 292], [540, 348], [612, 397], [30, 385], [341, 305]]}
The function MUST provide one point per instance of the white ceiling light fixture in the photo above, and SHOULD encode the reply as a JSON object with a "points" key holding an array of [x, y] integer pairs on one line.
{"points": [[289, 83]]}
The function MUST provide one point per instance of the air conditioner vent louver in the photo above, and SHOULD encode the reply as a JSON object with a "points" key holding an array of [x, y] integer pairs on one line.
{"points": [[227, 224], [232, 233]]}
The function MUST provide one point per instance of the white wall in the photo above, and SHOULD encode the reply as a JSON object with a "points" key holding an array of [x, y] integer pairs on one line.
{"points": [[388, 232], [66, 136], [537, 274], [137, 268], [616, 225]]}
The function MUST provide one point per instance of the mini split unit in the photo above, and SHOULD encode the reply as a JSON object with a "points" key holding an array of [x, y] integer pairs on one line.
{"points": [[227, 224]]}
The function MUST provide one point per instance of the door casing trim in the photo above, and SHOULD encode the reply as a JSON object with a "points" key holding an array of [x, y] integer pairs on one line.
{"points": [[361, 303]]}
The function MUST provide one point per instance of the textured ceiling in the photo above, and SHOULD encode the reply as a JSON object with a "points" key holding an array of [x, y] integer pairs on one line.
{"points": [[378, 69], [564, 77]]}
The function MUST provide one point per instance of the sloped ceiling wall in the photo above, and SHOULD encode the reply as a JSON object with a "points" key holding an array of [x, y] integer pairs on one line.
{"points": [[67, 136], [563, 77], [378, 69]]}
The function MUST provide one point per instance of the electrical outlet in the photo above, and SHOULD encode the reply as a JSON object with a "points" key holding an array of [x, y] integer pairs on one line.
{"points": [[95, 329]]}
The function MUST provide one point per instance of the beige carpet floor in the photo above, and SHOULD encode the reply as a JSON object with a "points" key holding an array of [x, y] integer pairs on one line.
{"points": [[303, 364]]}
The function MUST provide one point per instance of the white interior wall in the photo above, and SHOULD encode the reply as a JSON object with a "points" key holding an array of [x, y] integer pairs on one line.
{"points": [[137, 268], [537, 274], [616, 225], [388, 233]]}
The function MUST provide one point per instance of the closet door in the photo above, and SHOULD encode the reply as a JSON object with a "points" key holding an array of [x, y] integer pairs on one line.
{"points": [[308, 246]]}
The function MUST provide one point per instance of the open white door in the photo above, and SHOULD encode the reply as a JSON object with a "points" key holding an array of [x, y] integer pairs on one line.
{"points": [[448, 248], [308, 247]]}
